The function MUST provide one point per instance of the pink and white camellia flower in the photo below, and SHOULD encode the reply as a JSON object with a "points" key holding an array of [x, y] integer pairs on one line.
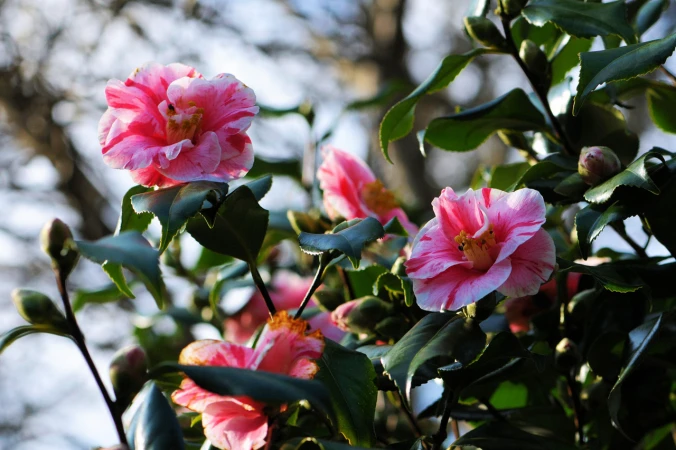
{"points": [[239, 422], [480, 242], [287, 290], [169, 125], [352, 191]]}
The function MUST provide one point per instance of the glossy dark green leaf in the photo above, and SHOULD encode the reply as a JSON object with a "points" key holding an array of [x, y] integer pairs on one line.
{"points": [[348, 238], [287, 167], [503, 436], [129, 219], [278, 389], [174, 206], [260, 186], [106, 294], [393, 226], [505, 176], [590, 221], [635, 175], [116, 274], [383, 97], [155, 425], [620, 64], [130, 250], [350, 378], [606, 274], [363, 280], [583, 20], [11, 336], [661, 101], [398, 121], [639, 340], [551, 165], [648, 14], [239, 227], [468, 129], [568, 58], [547, 36], [660, 215]]}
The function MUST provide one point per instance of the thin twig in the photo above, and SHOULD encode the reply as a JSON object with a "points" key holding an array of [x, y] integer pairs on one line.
{"points": [[80, 342], [574, 392], [260, 284], [346, 281], [492, 409], [668, 74], [316, 282], [542, 94], [619, 229], [441, 435]]}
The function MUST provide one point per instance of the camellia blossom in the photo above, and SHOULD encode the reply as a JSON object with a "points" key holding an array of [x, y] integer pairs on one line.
{"points": [[169, 125], [480, 242], [239, 422], [287, 290], [352, 191]]}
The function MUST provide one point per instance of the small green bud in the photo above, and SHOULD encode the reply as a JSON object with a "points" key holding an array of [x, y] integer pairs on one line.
{"points": [[128, 373], [510, 8], [597, 164], [536, 62], [38, 309], [566, 355], [485, 32], [57, 242]]}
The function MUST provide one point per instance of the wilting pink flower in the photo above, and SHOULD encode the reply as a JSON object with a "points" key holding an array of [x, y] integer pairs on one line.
{"points": [[352, 191], [169, 125], [240, 423], [519, 311], [480, 242], [287, 291]]}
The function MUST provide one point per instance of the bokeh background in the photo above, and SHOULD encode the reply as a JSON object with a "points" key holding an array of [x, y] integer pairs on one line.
{"points": [[57, 55]]}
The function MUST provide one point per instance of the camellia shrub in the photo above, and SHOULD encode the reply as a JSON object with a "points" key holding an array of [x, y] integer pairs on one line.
{"points": [[523, 336]]}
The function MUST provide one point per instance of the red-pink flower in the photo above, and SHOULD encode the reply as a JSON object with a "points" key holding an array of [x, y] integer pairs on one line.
{"points": [[287, 290], [169, 125], [480, 242], [240, 423], [352, 191]]}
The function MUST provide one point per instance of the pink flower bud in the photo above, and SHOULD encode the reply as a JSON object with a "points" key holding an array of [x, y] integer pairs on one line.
{"points": [[340, 314], [361, 315], [597, 164], [128, 373]]}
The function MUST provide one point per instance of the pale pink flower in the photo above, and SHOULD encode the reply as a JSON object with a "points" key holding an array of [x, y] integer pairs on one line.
{"points": [[480, 242], [352, 191], [287, 290], [239, 422], [169, 125]]}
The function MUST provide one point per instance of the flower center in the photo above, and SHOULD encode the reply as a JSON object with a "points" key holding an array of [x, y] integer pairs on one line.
{"points": [[378, 199], [476, 249], [184, 124]]}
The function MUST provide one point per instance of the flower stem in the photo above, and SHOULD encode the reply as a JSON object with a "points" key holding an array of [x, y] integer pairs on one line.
{"points": [[258, 280], [541, 93], [79, 339], [621, 230], [440, 436], [316, 282]]}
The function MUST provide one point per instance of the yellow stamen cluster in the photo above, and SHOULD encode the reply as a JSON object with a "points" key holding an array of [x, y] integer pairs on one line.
{"points": [[183, 129], [378, 199], [476, 249]]}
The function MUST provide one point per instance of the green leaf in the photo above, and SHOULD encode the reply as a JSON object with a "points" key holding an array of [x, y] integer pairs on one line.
{"points": [[174, 206], [661, 215], [551, 165], [310, 443], [606, 274], [620, 64], [131, 250], [363, 280], [478, 8], [279, 389], [239, 227], [583, 20], [503, 436], [639, 340], [115, 273], [222, 276], [260, 186], [648, 14], [348, 238], [661, 101], [287, 167], [459, 338], [395, 284], [107, 294], [350, 379], [635, 175], [468, 129], [398, 121], [155, 426], [503, 177], [590, 221], [8, 338], [393, 226], [130, 220], [568, 58]]}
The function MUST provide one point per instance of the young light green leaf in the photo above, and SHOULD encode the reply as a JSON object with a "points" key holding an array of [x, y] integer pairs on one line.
{"points": [[398, 121], [350, 378], [115, 273], [130, 250], [583, 20], [620, 64], [348, 238], [155, 427], [131, 220], [504, 176], [468, 129]]}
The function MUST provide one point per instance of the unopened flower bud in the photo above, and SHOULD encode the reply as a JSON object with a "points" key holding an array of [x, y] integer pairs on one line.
{"points": [[536, 62], [38, 309], [360, 315], [597, 164], [128, 373], [57, 242], [566, 355], [485, 32]]}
